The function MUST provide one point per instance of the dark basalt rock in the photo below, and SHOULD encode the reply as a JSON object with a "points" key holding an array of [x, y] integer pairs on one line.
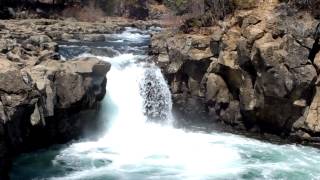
{"points": [[43, 104], [44, 101], [257, 75]]}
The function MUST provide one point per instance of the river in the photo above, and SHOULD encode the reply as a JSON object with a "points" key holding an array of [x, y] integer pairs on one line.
{"points": [[134, 148]]}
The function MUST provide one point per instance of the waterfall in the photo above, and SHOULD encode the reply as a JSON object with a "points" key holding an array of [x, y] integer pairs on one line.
{"points": [[157, 104], [139, 91], [141, 144], [140, 137]]}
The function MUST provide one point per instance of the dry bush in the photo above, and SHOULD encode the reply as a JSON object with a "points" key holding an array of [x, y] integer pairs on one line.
{"points": [[172, 20], [206, 13], [245, 4], [160, 12], [220, 8], [302, 3], [88, 13], [166, 15], [311, 5]]}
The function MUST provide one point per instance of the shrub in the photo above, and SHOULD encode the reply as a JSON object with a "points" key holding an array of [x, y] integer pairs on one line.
{"points": [[245, 4], [312, 5], [177, 6], [220, 8], [302, 3], [83, 13]]}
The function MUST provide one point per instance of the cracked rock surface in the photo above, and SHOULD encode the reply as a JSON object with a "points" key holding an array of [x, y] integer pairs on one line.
{"points": [[43, 99], [256, 70]]}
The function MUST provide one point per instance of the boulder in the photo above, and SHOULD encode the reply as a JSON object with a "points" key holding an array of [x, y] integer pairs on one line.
{"points": [[251, 19], [215, 42], [230, 39], [46, 101], [253, 32], [50, 46], [11, 79], [89, 65], [312, 121], [69, 88], [316, 61], [216, 89], [232, 115], [174, 51], [35, 118], [13, 57], [159, 43], [38, 40], [284, 76], [7, 45], [43, 77]]}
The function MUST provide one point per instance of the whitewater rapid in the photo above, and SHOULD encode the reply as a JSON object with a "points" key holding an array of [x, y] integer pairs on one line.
{"points": [[135, 148]]}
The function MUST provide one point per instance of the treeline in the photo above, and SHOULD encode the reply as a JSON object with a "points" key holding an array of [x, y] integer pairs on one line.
{"points": [[131, 8], [201, 12]]}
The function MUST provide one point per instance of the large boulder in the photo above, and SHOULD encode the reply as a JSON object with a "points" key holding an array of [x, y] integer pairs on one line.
{"points": [[41, 104], [37, 40], [6, 45], [173, 52], [285, 76], [217, 90]]}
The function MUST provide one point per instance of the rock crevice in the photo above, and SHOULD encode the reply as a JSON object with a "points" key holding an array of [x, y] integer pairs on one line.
{"points": [[257, 73]]}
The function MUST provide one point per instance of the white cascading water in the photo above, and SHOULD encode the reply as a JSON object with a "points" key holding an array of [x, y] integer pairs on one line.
{"points": [[135, 144], [134, 148]]}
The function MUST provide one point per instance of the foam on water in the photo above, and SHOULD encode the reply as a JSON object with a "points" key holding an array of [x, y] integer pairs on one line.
{"points": [[130, 35], [133, 144], [134, 148]]}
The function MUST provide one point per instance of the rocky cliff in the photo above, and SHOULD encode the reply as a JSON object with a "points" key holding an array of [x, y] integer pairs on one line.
{"points": [[43, 99], [257, 70]]}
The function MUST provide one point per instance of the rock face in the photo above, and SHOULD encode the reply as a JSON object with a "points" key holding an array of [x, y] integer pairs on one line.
{"points": [[255, 71], [63, 30], [44, 100], [40, 105]]}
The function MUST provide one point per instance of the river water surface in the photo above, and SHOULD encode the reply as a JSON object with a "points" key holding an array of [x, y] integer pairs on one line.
{"points": [[133, 148]]}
